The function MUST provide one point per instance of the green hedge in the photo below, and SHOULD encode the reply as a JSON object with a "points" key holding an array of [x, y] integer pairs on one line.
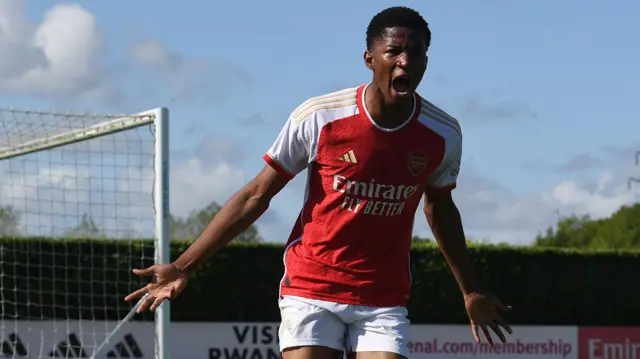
{"points": [[89, 279]]}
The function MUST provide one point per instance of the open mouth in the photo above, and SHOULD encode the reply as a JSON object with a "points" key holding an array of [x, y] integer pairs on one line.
{"points": [[401, 84]]}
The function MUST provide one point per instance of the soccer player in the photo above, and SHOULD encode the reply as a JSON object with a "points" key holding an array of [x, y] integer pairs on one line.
{"points": [[371, 153]]}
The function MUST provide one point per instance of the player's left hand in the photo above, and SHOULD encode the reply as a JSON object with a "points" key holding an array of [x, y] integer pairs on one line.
{"points": [[484, 312]]}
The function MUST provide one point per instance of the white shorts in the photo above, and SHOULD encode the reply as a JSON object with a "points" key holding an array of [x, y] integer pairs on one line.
{"points": [[344, 327]]}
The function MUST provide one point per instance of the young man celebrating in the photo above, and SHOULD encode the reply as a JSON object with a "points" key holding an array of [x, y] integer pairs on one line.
{"points": [[371, 153]]}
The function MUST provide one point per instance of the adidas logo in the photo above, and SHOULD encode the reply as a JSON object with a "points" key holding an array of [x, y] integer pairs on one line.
{"points": [[348, 157], [13, 347], [70, 348], [128, 348]]}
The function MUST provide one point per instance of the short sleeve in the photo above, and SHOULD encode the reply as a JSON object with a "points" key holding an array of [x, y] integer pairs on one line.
{"points": [[446, 176], [289, 154]]}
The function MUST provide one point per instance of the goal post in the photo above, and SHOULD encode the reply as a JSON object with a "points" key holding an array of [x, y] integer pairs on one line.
{"points": [[84, 198], [161, 198]]}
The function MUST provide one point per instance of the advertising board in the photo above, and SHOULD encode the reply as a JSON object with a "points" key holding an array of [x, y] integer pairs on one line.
{"points": [[609, 342], [260, 341], [456, 341]]}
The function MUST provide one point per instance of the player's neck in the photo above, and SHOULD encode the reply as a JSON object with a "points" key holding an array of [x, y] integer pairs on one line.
{"points": [[384, 114]]}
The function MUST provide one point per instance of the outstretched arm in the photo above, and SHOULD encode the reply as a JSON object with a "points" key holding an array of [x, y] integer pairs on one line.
{"points": [[235, 216], [287, 157]]}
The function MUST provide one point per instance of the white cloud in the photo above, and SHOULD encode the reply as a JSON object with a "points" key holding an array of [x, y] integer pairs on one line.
{"points": [[63, 57], [491, 211], [209, 173], [60, 55], [51, 190], [194, 185]]}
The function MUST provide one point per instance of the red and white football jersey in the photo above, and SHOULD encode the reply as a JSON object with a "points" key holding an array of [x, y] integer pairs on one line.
{"points": [[352, 239]]}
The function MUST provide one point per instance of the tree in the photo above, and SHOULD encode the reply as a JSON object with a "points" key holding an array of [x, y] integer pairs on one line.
{"points": [[192, 226], [571, 232], [416, 239], [620, 231], [87, 228], [9, 221], [469, 239]]}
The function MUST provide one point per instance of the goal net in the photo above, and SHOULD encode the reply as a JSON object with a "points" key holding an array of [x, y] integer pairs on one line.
{"points": [[83, 200]]}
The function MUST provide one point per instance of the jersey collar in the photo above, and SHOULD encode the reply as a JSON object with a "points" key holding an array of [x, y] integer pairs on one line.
{"points": [[363, 109]]}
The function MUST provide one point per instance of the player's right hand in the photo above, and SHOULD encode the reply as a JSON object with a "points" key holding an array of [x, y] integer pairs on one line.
{"points": [[167, 282]]}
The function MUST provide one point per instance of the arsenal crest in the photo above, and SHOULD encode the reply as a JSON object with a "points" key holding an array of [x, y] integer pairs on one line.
{"points": [[417, 162]]}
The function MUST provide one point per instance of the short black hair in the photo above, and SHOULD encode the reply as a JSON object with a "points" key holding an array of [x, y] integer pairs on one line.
{"points": [[397, 16]]}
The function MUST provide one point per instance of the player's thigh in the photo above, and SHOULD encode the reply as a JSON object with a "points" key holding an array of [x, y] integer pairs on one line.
{"points": [[307, 329], [379, 333]]}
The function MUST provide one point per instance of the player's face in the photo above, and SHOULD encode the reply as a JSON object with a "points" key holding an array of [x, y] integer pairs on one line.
{"points": [[398, 60]]}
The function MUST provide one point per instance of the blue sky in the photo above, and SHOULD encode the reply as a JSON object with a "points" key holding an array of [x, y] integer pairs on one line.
{"points": [[546, 93]]}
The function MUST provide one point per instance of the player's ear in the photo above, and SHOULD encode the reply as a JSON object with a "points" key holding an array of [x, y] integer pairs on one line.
{"points": [[368, 59]]}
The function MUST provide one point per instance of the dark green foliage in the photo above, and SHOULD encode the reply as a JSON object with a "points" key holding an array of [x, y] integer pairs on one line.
{"points": [[545, 286], [619, 231]]}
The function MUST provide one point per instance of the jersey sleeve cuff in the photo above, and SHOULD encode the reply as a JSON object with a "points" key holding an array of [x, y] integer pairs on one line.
{"points": [[277, 167]]}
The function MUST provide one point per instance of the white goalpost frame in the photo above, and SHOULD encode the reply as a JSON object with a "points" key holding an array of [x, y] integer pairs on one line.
{"points": [[161, 198], [159, 117]]}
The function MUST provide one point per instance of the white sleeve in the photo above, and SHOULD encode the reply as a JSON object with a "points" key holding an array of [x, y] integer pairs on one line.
{"points": [[289, 154], [446, 176]]}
